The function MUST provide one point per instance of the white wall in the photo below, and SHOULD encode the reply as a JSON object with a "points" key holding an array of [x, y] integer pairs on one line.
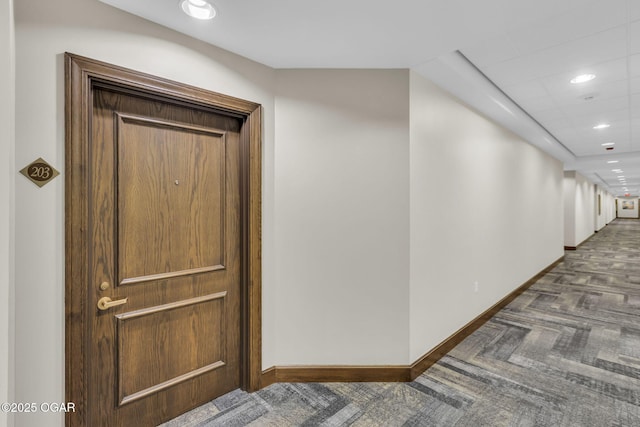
{"points": [[486, 207], [44, 31], [611, 207], [628, 213], [342, 179], [569, 191], [606, 213], [580, 208], [585, 209], [7, 99]]}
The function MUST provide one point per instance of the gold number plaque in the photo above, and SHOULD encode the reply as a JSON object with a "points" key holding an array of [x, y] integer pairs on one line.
{"points": [[40, 172]]}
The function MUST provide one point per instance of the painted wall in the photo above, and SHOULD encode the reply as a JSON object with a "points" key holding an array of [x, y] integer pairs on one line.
{"points": [[342, 227], [611, 210], [569, 199], [44, 31], [580, 208], [631, 203], [6, 208], [604, 209], [486, 208]]}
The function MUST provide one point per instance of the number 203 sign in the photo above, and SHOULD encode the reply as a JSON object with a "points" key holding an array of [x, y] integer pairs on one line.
{"points": [[40, 172]]}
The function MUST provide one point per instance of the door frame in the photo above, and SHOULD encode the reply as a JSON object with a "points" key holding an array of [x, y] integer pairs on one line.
{"points": [[81, 76]]}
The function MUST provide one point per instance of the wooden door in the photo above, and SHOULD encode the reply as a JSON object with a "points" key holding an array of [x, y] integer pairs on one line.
{"points": [[164, 309]]}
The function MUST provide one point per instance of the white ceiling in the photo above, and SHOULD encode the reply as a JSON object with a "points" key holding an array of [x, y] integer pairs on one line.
{"points": [[528, 49]]}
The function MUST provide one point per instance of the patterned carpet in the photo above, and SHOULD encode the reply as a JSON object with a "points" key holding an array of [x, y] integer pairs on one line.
{"points": [[564, 353]]}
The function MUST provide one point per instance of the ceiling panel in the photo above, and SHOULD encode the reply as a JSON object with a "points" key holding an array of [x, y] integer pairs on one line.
{"points": [[609, 74], [542, 107], [634, 65], [577, 23], [602, 47], [494, 50], [594, 108], [634, 36]]}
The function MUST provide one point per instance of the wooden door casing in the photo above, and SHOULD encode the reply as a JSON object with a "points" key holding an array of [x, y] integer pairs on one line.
{"points": [[177, 295]]}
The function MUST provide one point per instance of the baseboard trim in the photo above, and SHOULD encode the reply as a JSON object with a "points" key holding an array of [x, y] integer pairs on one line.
{"points": [[575, 248], [304, 374], [296, 374]]}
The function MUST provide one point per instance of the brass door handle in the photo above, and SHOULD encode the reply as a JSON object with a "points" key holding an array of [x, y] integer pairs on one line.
{"points": [[106, 303]]}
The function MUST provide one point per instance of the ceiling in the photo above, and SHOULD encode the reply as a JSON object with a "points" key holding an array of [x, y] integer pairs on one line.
{"points": [[510, 59]]}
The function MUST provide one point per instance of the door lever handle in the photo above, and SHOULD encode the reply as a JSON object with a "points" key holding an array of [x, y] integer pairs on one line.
{"points": [[106, 303]]}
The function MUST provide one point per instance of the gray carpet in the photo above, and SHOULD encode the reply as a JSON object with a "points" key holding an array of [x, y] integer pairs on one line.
{"points": [[564, 353]]}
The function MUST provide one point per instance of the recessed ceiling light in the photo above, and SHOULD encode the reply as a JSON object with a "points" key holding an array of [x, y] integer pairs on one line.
{"points": [[602, 126], [608, 144], [199, 9], [613, 161], [583, 78]]}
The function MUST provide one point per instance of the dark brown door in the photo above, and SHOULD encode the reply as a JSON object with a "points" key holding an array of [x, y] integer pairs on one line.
{"points": [[165, 220], [162, 230]]}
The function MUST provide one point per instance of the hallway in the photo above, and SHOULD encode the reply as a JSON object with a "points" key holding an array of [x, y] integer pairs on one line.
{"points": [[564, 353]]}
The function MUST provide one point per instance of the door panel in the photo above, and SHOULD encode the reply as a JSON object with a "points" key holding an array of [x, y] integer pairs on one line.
{"points": [[188, 339], [165, 223], [171, 196]]}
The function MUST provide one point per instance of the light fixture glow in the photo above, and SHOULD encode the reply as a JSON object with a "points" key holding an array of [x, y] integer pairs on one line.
{"points": [[199, 9], [613, 161], [583, 78], [602, 126], [608, 144]]}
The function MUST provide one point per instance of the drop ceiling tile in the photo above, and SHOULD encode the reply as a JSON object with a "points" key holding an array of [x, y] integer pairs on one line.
{"points": [[635, 106], [634, 65], [577, 23], [538, 10], [595, 107], [635, 137], [567, 136], [542, 104], [602, 47], [526, 90], [550, 118], [614, 71], [634, 11], [614, 118], [634, 36], [493, 51], [605, 93], [586, 138], [634, 84]]}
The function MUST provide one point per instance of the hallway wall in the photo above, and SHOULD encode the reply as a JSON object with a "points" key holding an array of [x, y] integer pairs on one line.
{"points": [[607, 208], [628, 213], [486, 208], [580, 208], [342, 180], [7, 112]]}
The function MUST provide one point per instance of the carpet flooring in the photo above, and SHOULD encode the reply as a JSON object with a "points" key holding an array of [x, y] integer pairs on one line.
{"points": [[564, 353]]}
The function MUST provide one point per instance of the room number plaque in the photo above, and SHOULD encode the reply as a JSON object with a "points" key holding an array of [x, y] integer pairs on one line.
{"points": [[39, 172]]}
